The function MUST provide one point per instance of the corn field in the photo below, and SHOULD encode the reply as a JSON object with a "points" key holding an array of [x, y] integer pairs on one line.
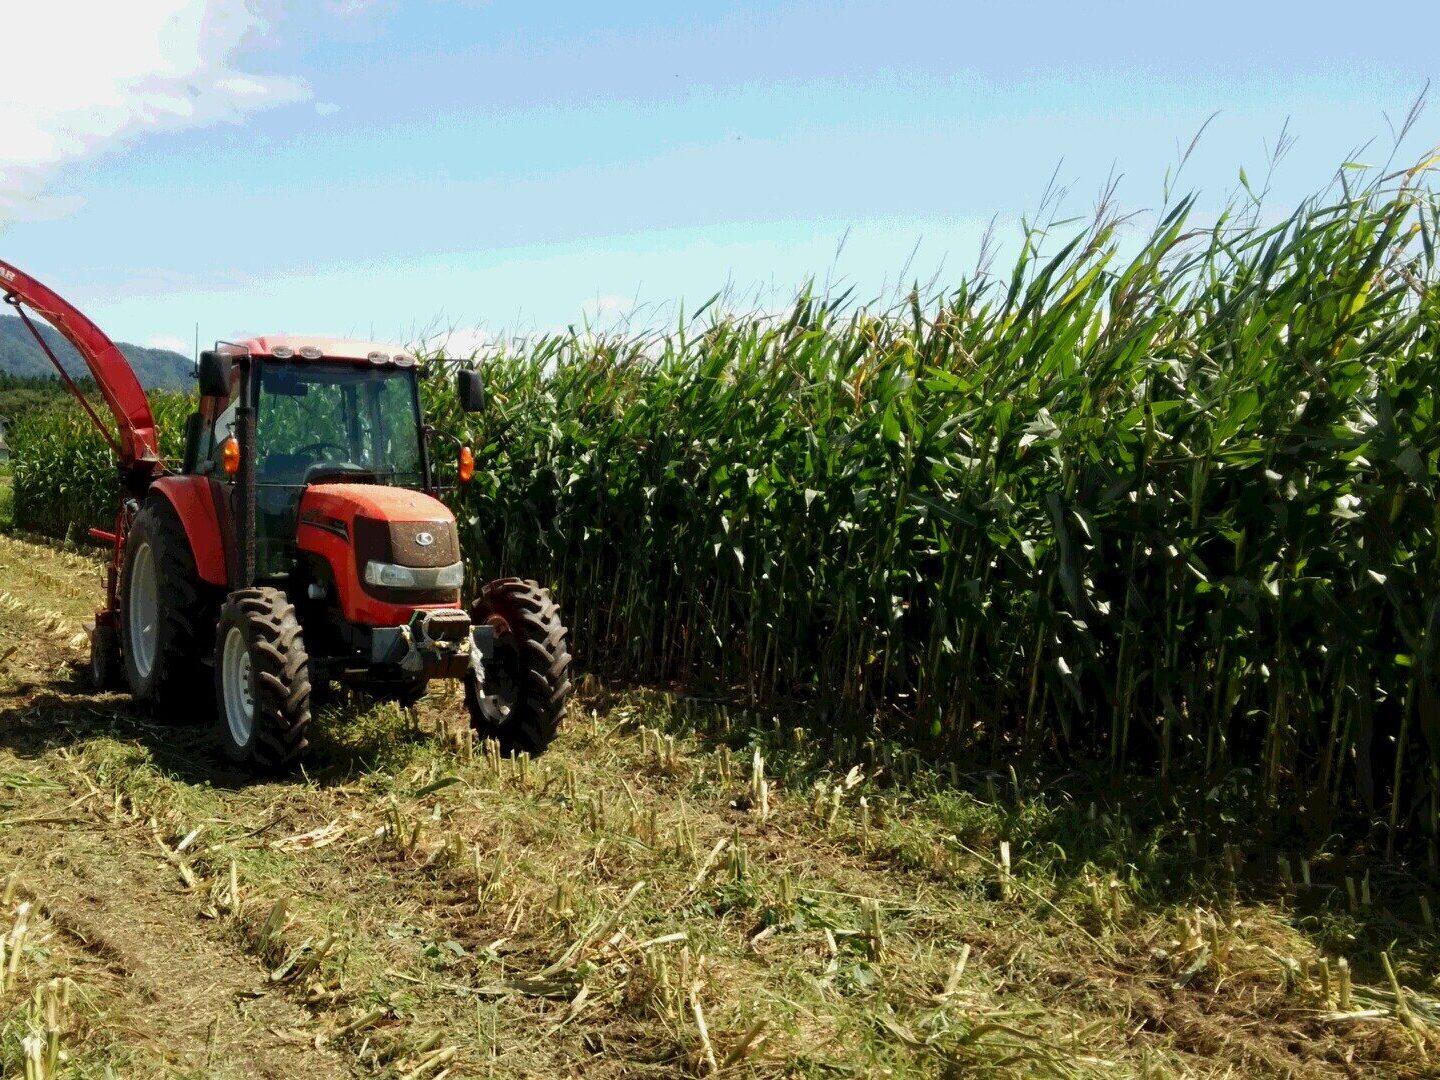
{"points": [[1164, 502], [64, 481]]}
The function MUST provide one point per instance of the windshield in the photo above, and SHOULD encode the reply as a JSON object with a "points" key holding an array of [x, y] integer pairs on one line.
{"points": [[328, 423], [325, 421]]}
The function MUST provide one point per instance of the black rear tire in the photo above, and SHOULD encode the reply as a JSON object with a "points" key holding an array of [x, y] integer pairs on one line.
{"points": [[259, 647], [167, 669], [519, 698]]}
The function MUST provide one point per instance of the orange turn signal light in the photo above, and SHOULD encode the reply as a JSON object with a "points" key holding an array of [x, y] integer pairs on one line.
{"points": [[467, 465], [230, 456]]}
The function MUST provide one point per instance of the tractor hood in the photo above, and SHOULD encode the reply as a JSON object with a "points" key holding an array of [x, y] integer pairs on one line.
{"points": [[388, 524], [363, 529], [348, 501]]}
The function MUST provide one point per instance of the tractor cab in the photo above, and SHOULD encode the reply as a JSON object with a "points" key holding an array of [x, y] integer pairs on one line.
{"points": [[316, 449], [350, 415]]}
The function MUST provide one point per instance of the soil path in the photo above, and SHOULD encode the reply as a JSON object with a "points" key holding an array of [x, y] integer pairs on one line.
{"points": [[173, 992]]}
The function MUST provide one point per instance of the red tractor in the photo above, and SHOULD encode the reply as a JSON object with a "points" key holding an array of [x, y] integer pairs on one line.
{"points": [[299, 545]]}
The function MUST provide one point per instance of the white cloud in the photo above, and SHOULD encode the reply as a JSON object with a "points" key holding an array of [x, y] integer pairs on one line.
{"points": [[349, 9], [77, 76], [174, 344], [458, 341], [614, 314], [609, 306]]}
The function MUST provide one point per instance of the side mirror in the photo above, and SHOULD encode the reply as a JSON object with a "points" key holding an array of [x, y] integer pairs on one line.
{"points": [[471, 389], [214, 374]]}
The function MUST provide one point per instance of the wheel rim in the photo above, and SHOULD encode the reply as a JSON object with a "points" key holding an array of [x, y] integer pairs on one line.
{"points": [[144, 611], [499, 688], [238, 688]]}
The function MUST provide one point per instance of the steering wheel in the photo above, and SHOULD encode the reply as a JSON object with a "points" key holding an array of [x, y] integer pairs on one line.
{"points": [[318, 446]]}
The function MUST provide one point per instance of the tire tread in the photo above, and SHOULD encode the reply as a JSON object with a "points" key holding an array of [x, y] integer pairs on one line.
{"points": [[281, 667], [544, 659], [185, 604]]}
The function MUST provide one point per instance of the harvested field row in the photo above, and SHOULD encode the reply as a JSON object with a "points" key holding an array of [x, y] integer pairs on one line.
{"points": [[673, 890]]}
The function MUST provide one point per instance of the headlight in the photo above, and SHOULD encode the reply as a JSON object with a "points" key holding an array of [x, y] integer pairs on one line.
{"points": [[390, 576]]}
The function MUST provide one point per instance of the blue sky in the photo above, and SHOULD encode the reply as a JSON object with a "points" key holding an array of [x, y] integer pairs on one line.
{"points": [[390, 168]]}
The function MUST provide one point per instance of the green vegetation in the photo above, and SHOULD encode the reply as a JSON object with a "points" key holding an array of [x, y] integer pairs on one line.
{"points": [[21, 394], [1159, 505], [62, 477], [1165, 506]]}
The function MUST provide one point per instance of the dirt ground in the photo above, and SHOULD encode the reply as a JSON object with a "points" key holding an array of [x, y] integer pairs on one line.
{"points": [[673, 890]]}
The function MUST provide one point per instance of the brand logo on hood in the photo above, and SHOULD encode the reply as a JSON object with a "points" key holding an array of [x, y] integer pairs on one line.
{"points": [[424, 539]]}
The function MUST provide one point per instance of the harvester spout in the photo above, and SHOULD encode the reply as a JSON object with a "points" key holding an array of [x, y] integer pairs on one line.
{"points": [[134, 440]]}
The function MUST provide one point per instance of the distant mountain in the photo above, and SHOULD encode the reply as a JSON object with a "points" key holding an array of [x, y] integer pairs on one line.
{"points": [[158, 369]]}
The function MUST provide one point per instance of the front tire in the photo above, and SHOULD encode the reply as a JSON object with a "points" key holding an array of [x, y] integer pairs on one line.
{"points": [[163, 609], [262, 681], [519, 697]]}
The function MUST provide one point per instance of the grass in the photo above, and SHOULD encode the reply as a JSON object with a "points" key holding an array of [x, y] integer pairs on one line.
{"points": [[679, 888]]}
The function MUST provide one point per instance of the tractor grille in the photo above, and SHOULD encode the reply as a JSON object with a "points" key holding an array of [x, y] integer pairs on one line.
{"points": [[395, 542]]}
